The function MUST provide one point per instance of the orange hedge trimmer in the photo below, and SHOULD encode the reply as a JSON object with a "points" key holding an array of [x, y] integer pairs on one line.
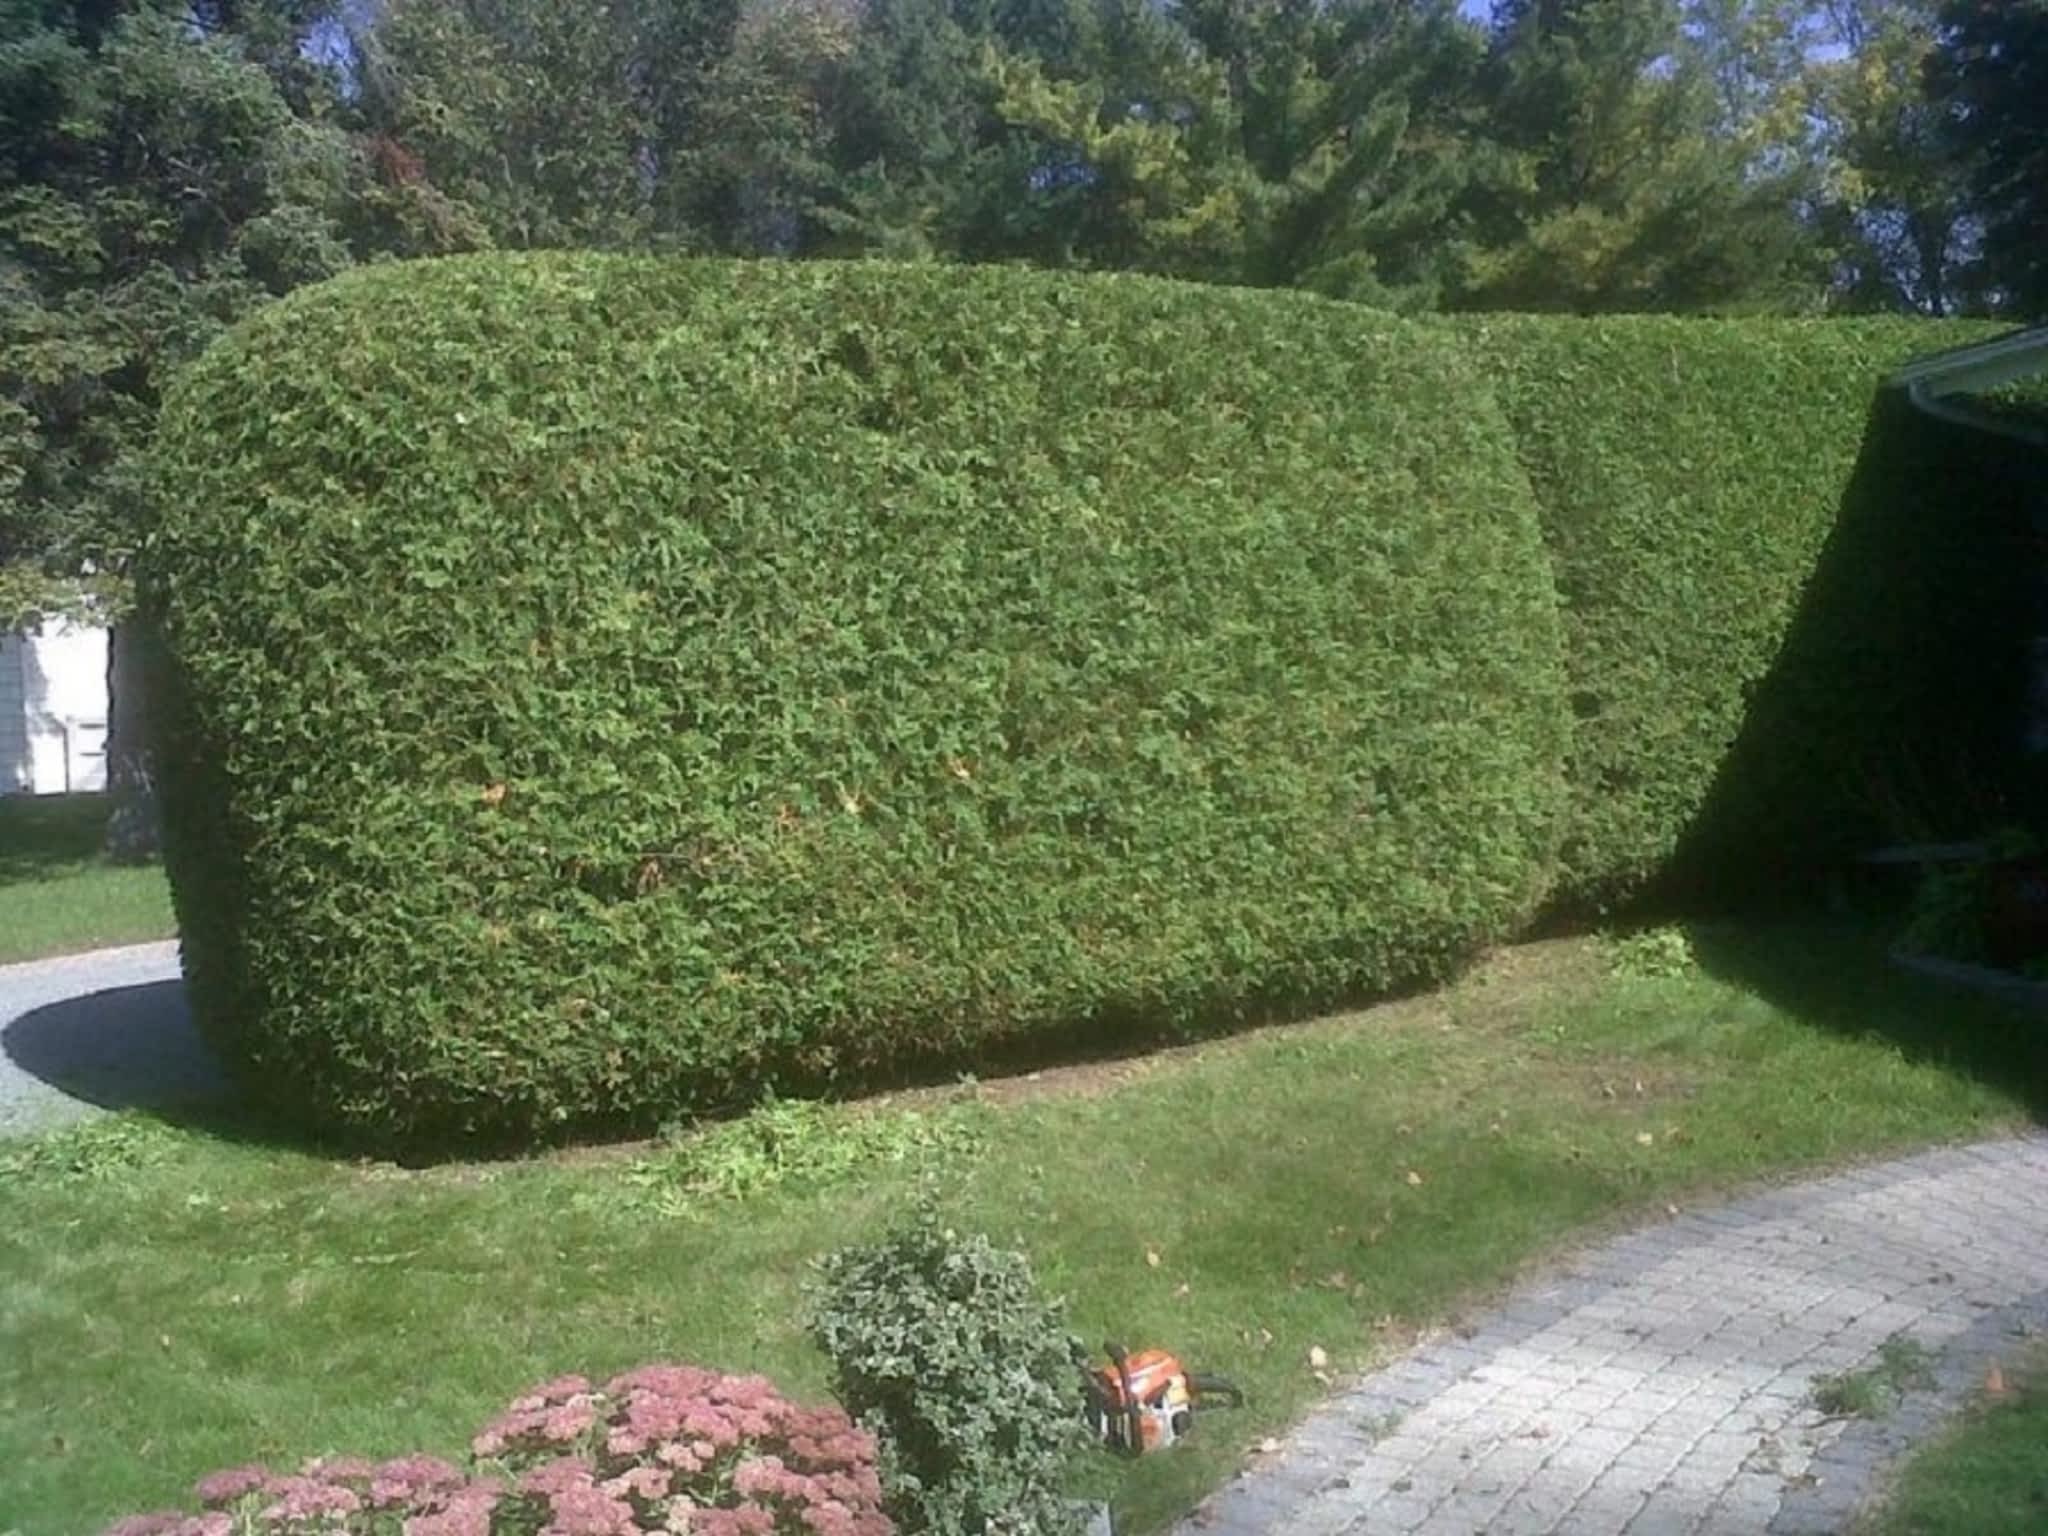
{"points": [[1147, 1401]]}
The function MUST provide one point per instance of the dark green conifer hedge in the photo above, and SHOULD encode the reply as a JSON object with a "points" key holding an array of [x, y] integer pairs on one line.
{"points": [[1763, 583], [605, 686]]}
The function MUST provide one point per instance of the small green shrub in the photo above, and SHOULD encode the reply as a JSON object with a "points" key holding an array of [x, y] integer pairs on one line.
{"points": [[1768, 589], [1953, 902], [2023, 404], [1946, 918], [603, 688], [942, 1346]]}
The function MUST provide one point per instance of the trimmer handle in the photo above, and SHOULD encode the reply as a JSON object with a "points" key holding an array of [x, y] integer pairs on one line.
{"points": [[1134, 1416]]}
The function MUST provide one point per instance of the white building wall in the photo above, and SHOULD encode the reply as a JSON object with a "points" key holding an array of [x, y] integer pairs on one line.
{"points": [[53, 710]]}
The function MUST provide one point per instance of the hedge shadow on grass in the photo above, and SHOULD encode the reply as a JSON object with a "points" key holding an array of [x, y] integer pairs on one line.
{"points": [[1896, 710], [1836, 977], [136, 1048]]}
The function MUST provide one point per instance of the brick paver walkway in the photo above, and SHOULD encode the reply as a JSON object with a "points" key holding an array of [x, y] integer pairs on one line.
{"points": [[1662, 1385]]}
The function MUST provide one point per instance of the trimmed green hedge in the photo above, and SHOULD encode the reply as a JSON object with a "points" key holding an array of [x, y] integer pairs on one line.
{"points": [[1899, 708], [604, 686], [1734, 543]]}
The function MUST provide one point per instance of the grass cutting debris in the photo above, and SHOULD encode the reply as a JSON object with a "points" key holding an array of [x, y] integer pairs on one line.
{"points": [[1902, 1364]]}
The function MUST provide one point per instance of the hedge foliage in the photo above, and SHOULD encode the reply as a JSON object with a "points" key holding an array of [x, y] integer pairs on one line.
{"points": [[1760, 582], [604, 686], [1910, 668]]}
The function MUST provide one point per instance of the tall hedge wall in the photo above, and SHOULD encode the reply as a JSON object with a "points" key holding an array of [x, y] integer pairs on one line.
{"points": [[1744, 552], [1899, 707], [604, 685]]}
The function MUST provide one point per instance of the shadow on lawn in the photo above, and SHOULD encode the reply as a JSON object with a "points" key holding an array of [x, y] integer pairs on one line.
{"points": [[1896, 710], [137, 1048], [1839, 978]]}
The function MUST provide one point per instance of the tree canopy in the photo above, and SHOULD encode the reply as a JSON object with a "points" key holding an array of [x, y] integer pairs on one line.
{"points": [[1991, 77], [156, 183], [166, 166]]}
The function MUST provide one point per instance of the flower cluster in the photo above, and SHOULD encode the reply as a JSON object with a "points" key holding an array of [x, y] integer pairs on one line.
{"points": [[665, 1448], [413, 1495], [676, 1448]]}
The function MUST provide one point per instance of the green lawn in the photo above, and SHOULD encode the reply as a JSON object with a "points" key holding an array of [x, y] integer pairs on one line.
{"points": [[174, 1299], [1988, 1476], [58, 895]]}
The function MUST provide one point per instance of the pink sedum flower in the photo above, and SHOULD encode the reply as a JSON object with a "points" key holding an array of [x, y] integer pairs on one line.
{"points": [[560, 1390], [307, 1498], [662, 1450], [159, 1523], [564, 1424], [747, 1520], [411, 1478], [224, 1487], [643, 1482], [339, 1469], [465, 1511]]}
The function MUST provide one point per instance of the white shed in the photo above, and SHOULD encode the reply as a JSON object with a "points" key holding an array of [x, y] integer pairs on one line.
{"points": [[53, 710]]}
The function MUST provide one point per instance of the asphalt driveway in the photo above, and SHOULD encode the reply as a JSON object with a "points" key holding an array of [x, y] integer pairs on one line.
{"points": [[107, 1030]]}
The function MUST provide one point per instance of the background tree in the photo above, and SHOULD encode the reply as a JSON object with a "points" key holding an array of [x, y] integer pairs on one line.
{"points": [[756, 171], [909, 119], [1757, 55], [1990, 75], [1306, 144], [1634, 183], [155, 185], [550, 123], [1894, 207], [1126, 156]]}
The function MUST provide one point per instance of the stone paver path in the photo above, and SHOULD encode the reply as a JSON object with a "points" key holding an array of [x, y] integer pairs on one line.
{"points": [[1662, 1385]]}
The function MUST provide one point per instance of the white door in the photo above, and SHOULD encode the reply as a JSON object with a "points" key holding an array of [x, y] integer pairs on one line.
{"points": [[64, 708]]}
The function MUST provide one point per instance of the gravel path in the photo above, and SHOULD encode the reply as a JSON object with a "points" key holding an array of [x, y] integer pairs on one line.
{"points": [[1662, 1385], [105, 1030]]}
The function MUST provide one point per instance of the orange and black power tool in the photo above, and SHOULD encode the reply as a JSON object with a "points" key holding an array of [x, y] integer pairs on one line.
{"points": [[1147, 1401]]}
